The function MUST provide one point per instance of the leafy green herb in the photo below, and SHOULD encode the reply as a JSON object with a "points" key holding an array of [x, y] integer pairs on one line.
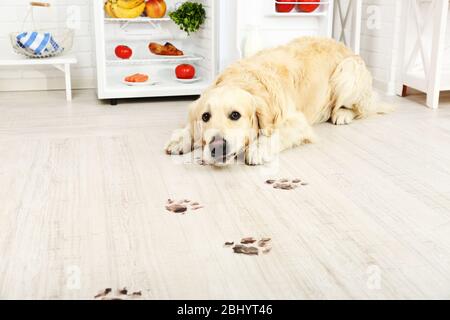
{"points": [[189, 16]]}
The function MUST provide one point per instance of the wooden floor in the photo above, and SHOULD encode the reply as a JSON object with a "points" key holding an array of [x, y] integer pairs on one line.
{"points": [[83, 188]]}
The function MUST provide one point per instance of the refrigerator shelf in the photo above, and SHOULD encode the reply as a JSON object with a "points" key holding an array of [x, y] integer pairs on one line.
{"points": [[163, 88], [138, 20], [124, 23], [154, 59], [298, 14]]}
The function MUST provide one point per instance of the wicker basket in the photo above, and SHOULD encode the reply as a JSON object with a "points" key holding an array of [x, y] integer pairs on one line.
{"points": [[63, 36]]}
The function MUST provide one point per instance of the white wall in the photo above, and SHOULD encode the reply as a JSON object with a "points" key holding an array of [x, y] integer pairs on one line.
{"points": [[12, 14], [380, 39]]}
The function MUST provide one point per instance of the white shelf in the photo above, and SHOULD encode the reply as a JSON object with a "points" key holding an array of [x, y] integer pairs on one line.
{"points": [[116, 89], [415, 79], [297, 14], [138, 20], [154, 59]]}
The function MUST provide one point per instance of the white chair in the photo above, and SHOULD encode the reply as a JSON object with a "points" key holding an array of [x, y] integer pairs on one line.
{"points": [[423, 25]]}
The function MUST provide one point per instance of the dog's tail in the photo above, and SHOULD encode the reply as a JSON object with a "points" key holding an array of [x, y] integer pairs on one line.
{"points": [[381, 107]]}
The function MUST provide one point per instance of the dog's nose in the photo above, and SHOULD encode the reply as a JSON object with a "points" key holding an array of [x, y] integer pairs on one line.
{"points": [[218, 147]]}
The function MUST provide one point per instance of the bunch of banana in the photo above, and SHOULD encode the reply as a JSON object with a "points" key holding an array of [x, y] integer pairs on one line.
{"points": [[125, 9], [108, 8]]}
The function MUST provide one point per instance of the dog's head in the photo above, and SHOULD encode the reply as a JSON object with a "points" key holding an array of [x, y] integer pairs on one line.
{"points": [[224, 122]]}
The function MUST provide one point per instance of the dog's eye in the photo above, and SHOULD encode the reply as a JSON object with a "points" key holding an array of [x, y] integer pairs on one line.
{"points": [[235, 116], [206, 116]]}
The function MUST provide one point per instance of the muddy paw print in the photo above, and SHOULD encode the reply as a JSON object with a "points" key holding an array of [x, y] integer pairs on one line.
{"points": [[286, 184], [121, 294], [250, 246], [182, 206]]}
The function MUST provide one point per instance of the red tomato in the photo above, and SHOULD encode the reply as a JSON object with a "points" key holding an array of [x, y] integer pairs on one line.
{"points": [[307, 7], [284, 7], [185, 71], [123, 52]]}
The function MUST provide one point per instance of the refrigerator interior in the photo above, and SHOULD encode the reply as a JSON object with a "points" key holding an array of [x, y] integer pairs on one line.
{"points": [[198, 49]]}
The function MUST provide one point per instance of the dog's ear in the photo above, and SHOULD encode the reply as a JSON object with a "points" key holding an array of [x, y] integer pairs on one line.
{"points": [[195, 124], [268, 115], [270, 100], [193, 110]]}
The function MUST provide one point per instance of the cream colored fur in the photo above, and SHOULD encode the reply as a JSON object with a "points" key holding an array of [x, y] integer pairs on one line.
{"points": [[281, 93]]}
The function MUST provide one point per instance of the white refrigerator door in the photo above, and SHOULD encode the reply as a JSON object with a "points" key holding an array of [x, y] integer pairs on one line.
{"points": [[247, 26]]}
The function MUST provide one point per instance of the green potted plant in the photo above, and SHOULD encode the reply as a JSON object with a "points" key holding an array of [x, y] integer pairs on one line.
{"points": [[189, 16]]}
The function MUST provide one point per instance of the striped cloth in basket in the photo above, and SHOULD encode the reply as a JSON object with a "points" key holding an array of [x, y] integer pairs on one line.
{"points": [[37, 43]]}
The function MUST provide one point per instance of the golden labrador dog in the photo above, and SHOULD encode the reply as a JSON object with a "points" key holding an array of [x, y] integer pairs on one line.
{"points": [[266, 103]]}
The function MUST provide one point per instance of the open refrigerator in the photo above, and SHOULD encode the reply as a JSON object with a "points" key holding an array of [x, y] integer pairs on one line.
{"points": [[257, 24], [224, 37], [199, 50]]}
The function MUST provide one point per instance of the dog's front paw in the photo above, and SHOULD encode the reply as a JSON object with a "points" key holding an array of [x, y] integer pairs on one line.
{"points": [[342, 117], [260, 152], [180, 142]]}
